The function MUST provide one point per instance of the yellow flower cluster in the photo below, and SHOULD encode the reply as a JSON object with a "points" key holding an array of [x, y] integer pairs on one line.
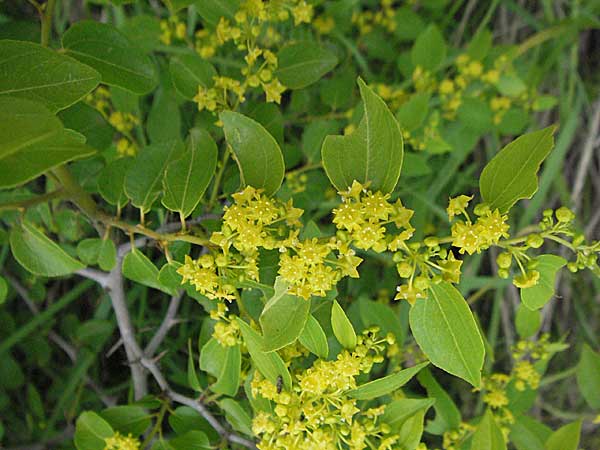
{"points": [[393, 96], [383, 17], [227, 330], [172, 29], [120, 442], [317, 413], [473, 237], [122, 122], [454, 439]]}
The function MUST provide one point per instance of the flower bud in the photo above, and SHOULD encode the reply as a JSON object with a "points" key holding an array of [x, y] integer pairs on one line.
{"points": [[504, 260], [535, 240]]}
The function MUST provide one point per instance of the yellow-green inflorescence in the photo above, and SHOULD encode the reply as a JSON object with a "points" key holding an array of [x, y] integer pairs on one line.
{"points": [[318, 412], [120, 442]]}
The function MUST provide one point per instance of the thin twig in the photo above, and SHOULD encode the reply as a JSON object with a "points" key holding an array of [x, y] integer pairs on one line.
{"points": [[586, 156], [165, 326]]}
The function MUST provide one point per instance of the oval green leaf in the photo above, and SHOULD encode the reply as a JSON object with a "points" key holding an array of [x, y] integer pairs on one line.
{"points": [[137, 267], [512, 174], [385, 385], [371, 154], [224, 363], [342, 328], [303, 63], [565, 438], [446, 331], [188, 71], [535, 297], [398, 411], [313, 338], [91, 431], [256, 152]]}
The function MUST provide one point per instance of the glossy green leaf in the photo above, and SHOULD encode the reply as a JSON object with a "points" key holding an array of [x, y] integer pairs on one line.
{"points": [[33, 72], [237, 416], [588, 376], [32, 161], [429, 49], [512, 174], [445, 329], [187, 178], [385, 385], [565, 438], [191, 440], [283, 318], [111, 53], [137, 267], [38, 254], [488, 435], [188, 72], [24, 123], [143, 182], [313, 338], [303, 63], [224, 363], [342, 328], [535, 297], [398, 411], [269, 364], [127, 419], [91, 430], [371, 154], [257, 153]]}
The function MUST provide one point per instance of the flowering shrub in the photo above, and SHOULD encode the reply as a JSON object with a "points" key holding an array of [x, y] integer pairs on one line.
{"points": [[293, 224]]}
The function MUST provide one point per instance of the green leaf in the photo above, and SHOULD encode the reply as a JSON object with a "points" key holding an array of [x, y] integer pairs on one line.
{"points": [[91, 430], [128, 419], [511, 85], [342, 328], [527, 322], [373, 153], [191, 440], [224, 363], [187, 178], [411, 431], [137, 267], [512, 174], [257, 153], [398, 411], [211, 11], [237, 416], [24, 123], [111, 182], [192, 378], [88, 121], [475, 115], [303, 63], [143, 182], [283, 318], [444, 328], [3, 290], [588, 376], [447, 414], [37, 73], [188, 71], [269, 364], [565, 438], [429, 49], [412, 114], [313, 338], [535, 297], [107, 50], [385, 385], [488, 435], [32, 161], [38, 254], [164, 119], [528, 434], [373, 313]]}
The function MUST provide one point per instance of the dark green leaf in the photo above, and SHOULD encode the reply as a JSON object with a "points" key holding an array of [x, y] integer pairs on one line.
{"points": [[111, 182], [127, 419], [191, 440], [303, 63], [137, 267], [188, 71], [91, 430]]}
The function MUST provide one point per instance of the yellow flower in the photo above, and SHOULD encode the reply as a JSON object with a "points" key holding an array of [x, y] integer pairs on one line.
{"points": [[458, 205], [273, 90], [527, 279], [302, 13], [120, 442]]}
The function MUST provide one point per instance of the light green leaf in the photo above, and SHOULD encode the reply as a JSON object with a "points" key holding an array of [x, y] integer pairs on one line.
{"points": [[237, 416], [111, 53], [91, 430], [411, 431], [488, 435], [283, 317], [188, 72], [527, 322], [588, 376], [565, 438], [24, 123], [313, 338], [412, 114], [385, 385], [373, 153], [342, 328], [137, 267], [187, 178], [191, 440], [224, 363], [33, 72], [512, 174], [211, 11], [528, 434], [444, 327], [269, 364], [398, 411], [32, 161], [38, 254], [511, 85], [429, 49], [535, 297], [303, 63], [257, 153], [143, 182], [127, 419]]}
